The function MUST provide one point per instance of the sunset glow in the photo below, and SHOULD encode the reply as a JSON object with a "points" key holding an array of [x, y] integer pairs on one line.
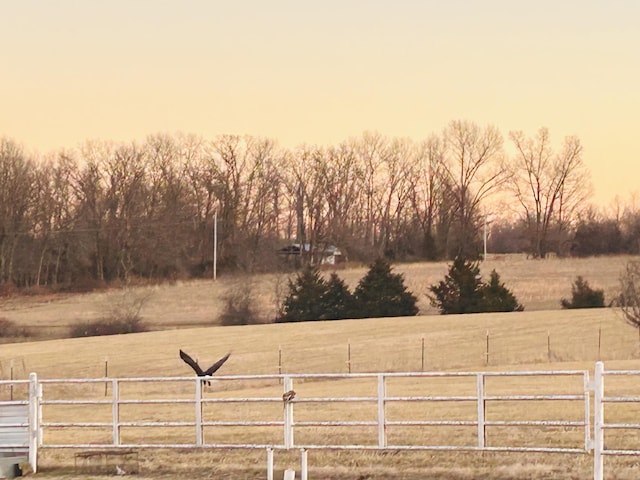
{"points": [[321, 72]]}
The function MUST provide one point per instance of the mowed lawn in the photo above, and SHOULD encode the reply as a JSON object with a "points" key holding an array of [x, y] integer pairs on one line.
{"points": [[543, 337]]}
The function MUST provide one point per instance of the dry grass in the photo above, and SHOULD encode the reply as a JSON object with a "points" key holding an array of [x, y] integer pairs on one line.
{"points": [[538, 284], [542, 337]]}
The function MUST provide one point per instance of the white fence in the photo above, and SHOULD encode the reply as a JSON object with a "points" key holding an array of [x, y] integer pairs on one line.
{"points": [[19, 423], [180, 412]]}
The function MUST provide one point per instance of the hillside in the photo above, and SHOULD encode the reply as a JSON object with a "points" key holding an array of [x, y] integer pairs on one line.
{"points": [[386, 344], [538, 284], [537, 338]]}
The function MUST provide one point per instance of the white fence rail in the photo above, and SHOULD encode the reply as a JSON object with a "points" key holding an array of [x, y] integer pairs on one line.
{"points": [[378, 424], [180, 412]]}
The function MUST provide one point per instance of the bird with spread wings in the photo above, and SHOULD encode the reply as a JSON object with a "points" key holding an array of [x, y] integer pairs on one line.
{"points": [[199, 371]]}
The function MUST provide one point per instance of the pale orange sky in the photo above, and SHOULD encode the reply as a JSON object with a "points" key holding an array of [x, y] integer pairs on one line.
{"points": [[321, 72]]}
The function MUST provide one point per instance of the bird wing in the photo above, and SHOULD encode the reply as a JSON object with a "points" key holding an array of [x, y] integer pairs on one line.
{"points": [[217, 365], [192, 363]]}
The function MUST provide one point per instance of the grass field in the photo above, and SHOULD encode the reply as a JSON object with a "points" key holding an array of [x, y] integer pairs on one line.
{"points": [[541, 337], [538, 285]]}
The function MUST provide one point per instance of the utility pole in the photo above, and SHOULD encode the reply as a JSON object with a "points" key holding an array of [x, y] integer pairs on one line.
{"points": [[215, 243], [485, 240], [486, 234]]}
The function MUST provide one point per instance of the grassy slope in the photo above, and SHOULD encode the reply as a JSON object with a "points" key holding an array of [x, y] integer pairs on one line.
{"points": [[541, 333], [377, 344], [539, 285], [516, 341], [391, 344]]}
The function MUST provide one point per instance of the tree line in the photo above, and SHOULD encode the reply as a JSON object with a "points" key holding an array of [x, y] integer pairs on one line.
{"points": [[106, 211]]}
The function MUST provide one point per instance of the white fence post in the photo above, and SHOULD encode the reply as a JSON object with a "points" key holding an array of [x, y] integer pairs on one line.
{"points": [[598, 420], [34, 422], [303, 464], [382, 427], [198, 413], [115, 411], [39, 413], [288, 414], [269, 463], [588, 443], [481, 410]]}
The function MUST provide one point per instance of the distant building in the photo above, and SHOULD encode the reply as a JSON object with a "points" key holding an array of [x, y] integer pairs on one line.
{"points": [[319, 254]]}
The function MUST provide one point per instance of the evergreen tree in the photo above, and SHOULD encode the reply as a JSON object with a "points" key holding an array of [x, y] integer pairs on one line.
{"points": [[381, 293], [338, 300], [461, 289], [583, 296], [498, 298], [305, 299]]}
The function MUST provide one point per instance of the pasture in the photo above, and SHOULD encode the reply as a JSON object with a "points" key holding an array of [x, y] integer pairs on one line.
{"points": [[542, 337], [538, 284]]}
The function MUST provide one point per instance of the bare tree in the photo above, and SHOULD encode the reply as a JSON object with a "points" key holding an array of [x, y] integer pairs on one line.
{"points": [[202, 173], [245, 175], [394, 201], [44, 223], [229, 160], [342, 172], [261, 202], [125, 172], [427, 193], [305, 184], [111, 188], [89, 188], [166, 213], [629, 300], [474, 169], [16, 201], [549, 187], [371, 149], [51, 220]]}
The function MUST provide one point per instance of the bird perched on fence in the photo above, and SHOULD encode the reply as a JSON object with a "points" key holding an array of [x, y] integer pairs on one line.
{"points": [[288, 396], [203, 373]]}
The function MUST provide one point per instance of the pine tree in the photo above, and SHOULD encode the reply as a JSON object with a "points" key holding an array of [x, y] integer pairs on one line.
{"points": [[381, 293], [305, 299], [338, 300], [461, 289], [498, 298]]}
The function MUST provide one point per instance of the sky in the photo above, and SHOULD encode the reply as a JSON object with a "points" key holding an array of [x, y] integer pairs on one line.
{"points": [[322, 72]]}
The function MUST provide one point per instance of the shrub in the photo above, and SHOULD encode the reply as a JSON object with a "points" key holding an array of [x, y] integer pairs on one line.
{"points": [[381, 293], [8, 289], [462, 291], [9, 329], [123, 316], [583, 296], [239, 308], [107, 326]]}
